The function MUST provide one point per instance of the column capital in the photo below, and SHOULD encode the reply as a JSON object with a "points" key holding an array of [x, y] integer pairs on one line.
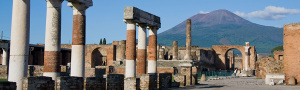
{"points": [[79, 6], [54, 3]]}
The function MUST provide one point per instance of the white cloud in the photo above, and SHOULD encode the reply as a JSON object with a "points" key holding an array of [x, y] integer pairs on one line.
{"points": [[203, 12], [270, 13]]}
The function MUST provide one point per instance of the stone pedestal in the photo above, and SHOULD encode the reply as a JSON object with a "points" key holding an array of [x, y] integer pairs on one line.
{"points": [[38, 83], [130, 83]]}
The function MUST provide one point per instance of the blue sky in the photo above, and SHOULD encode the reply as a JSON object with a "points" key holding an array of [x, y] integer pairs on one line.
{"points": [[105, 17]]}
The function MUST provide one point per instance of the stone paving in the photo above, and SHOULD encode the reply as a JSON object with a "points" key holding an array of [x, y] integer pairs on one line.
{"points": [[241, 83]]}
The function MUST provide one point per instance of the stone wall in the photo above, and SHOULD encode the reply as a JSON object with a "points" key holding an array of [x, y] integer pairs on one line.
{"points": [[187, 71], [165, 80], [8, 86], [268, 65], [148, 81], [3, 71], [115, 82], [278, 54], [38, 83], [94, 83], [69, 83], [35, 70], [180, 79]]}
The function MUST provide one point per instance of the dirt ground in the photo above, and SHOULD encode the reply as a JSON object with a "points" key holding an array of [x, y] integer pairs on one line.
{"points": [[241, 83]]}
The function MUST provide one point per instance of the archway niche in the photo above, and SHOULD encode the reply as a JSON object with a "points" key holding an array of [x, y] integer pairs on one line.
{"points": [[97, 58], [233, 59]]}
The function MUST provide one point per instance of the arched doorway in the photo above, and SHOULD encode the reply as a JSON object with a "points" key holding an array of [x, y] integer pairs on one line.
{"points": [[97, 58], [233, 59]]}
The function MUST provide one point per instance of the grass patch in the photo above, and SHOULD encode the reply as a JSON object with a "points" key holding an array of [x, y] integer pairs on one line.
{"points": [[3, 80]]}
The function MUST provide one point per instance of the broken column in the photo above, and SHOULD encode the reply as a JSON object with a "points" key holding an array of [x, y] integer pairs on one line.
{"points": [[130, 49], [78, 38], [291, 45], [141, 52], [188, 40], [19, 42], [52, 39], [4, 56], [175, 50], [152, 55], [246, 67]]}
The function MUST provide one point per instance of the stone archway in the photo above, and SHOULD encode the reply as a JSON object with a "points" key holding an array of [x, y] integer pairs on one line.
{"points": [[221, 51], [96, 56]]}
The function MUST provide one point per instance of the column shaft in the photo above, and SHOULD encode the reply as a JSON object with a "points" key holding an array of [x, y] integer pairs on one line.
{"points": [[188, 40], [152, 55], [130, 69], [123, 49], [52, 39], [4, 57], [19, 50], [175, 50], [141, 55]]}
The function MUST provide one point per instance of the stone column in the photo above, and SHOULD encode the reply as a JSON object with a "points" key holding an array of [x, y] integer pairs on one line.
{"points": [[130, 49], [152, 55], [141, 52], [247, 56], [52, 39], [19, 42], [188, 40], [78, 38], [123, 49], [175, 50], [4, 56]]}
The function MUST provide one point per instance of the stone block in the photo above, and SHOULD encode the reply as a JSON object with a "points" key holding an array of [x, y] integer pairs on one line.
{"points": [[165, 80], [140, 16], [38, 83], [148, 81], [69, 83], [94, 83], [35, 70], [130, 83], [274, 78], [115, 82], [8, 85], [3, 71], [180, 79]]}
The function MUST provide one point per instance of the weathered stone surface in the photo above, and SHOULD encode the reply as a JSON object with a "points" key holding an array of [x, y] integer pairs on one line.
{"points": [[8, 86], [181, 79], [130, 83], [292, 81], [38, 83], [268, 65], [94, 83], [35, 70], [115, 82], [69, 83], [148, 81], [187, 71], [3, 71]]}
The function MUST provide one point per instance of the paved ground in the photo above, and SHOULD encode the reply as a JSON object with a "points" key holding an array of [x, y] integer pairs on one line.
{"points": [[241, 83]]}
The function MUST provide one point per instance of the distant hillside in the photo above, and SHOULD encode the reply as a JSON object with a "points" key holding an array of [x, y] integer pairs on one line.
{"points": [[222, 27]]}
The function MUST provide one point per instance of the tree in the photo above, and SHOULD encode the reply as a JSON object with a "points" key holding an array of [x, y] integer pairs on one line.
{"points": [[104, 41], [277, 48], [100, 43]]}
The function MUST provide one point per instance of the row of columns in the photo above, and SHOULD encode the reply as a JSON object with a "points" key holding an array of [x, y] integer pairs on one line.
{"points": [[142, 53], [20, 39]]}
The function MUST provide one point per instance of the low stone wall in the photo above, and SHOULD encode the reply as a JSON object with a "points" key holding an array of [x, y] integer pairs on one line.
{"points": [[115, 82], [268, 65], [69, 83], [94, 83], [165, 70], [148, 81], [130, 83], [8, 85], [180, 79], [3, 71], [165, 80], [38, 83], [35, 70]]}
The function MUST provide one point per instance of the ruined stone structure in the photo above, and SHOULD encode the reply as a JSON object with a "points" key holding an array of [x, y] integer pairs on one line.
{"points": [[291, 35], [268, 66], [278, 54], [248, 53], [78, 38]]}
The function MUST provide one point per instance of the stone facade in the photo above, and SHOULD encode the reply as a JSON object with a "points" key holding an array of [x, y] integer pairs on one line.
{"points": [[38, 83]]}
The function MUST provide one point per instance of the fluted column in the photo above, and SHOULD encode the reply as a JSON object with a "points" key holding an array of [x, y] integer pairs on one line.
{"points": [[78, 38], [52, 39], [19, 42], [141, 55], [247, 56], [130, 68], [175, 50], [188, 40], [152, 56], [4, 56]]}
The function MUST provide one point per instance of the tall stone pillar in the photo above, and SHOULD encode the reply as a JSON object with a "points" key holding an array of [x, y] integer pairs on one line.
{"points": [[123, 49], [4, 57], [78, 38], [19, 42], [188, 40], [175, 50], [52, 55], [141, 52], [246, 56], [130, 67], [152, 55]]}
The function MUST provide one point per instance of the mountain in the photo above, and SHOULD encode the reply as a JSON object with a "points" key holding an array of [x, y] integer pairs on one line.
{"points": [[222, 27]]}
